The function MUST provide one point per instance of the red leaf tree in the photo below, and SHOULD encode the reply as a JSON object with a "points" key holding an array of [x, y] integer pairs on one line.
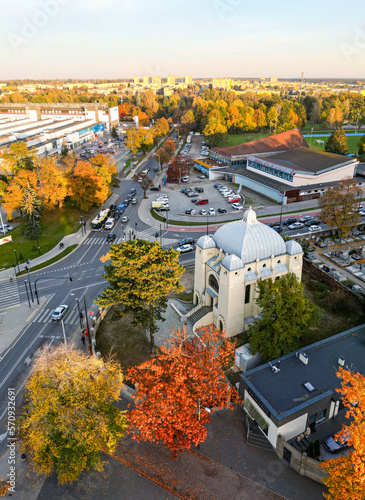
{"points": [[178, 389]]}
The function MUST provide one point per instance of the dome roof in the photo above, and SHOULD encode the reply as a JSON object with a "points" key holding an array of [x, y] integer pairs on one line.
{"points": [[249, 239], [293, 247], [232, 263], [205, 242]]}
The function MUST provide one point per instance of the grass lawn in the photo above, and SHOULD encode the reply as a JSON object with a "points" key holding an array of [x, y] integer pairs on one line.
{"points": [[54, 228], [352, 142], [235, 139]]}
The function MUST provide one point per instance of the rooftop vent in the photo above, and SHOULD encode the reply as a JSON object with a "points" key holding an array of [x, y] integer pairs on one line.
{"points": [[341, 360], [275, 368], [303, 357]]}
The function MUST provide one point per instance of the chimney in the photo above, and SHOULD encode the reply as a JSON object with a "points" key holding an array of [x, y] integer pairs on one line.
{"points": [[341, 360], [303, 357]]}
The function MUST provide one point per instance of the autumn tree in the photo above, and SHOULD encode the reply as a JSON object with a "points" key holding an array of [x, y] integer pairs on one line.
{"points": [[104, 168], [166, 152], [52, 182], [18, 157], [14, 194], [337, 142], [346, 473], [179, 168], [361, 148], [132, 140], [145, 183], [140, 276], [114, 133], [86, 187], [64, 150], [286, 317], [339, 204], [161, 128], [31, 211], [69, 415], [178, 389]]}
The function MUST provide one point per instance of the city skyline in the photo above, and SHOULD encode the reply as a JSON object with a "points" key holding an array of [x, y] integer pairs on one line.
{"points": [[119, 39]]}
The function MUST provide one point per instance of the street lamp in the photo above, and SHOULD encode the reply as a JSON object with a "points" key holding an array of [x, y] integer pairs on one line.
{"points": [[357, 122], [310, 140], [159, 160], [53, 278], [27, 268]]}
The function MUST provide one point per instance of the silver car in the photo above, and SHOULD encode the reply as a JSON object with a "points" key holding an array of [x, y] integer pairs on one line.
{"points": [[60, 312]]}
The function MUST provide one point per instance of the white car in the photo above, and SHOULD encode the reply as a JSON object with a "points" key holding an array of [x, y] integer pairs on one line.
{"points": [[109, 224], [362, 213], [211, 211], [186, 178], [185, 248], [314, 228], [305, 218], [237, 206], [296, 225], [60, 312], [125, 219], [203, 212], [229, 194], [140, 179]]}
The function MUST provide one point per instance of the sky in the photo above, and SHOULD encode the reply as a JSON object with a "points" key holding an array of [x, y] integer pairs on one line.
{"points": [[112, 39]]}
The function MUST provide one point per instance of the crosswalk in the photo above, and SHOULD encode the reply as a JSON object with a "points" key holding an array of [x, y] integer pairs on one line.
{"points": [[9, 293], [98, 241], [45, 316], [151, 231]]}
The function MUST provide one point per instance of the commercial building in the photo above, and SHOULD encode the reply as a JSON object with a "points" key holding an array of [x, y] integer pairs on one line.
{"points": [[295, 393], [228, 265], [281, 167]]}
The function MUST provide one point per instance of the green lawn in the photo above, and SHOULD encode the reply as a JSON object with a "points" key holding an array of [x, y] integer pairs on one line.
{"points": [[235, 139], [352, 142], [54, 228]]}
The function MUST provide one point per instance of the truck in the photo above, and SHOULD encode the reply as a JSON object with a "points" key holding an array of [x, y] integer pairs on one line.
{"points": [[120, 208]]}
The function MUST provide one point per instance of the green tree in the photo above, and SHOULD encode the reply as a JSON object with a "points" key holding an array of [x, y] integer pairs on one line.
{"points": [[339, 205], [361, 148], [64, 150], [69, 413], [18, 157], [337, 142], [31, 209], [114, 133], [140, 276], [286, 317]]}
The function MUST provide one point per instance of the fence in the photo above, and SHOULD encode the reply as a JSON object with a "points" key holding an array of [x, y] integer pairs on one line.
{"points": [[300, 462]]}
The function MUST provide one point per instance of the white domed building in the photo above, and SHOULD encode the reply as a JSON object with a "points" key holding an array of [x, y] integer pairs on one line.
{"points": [[227, 267]]}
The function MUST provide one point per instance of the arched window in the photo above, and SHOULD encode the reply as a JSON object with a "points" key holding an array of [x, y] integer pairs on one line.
{"points": [[213, 282], [220, 325]]}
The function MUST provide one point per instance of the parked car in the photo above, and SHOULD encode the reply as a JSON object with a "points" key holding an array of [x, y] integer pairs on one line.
{"points": [[60, 312], [305, 218], [203, 212], [155, 188], [218, 185], [296, 225], [190, 211], [234, 199], [222, 210], [202, 201], [211, 211], [191, 194], [201, 176], [312, 221], [110, 238], [272, 224], [278, 229], [314, 228], [237, 206], [334, 445], [5, 228], [186, 241], [140, 179], [199, 190], [186, 178], [289, 220]]}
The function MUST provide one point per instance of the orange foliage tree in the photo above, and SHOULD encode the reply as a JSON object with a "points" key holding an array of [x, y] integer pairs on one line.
{"points": [[52, 182], [178, 389], [346, 477], [14, 194], [87, 186]]}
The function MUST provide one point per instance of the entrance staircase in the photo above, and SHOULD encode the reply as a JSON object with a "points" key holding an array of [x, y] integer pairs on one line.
{"points": [[197, 314]]}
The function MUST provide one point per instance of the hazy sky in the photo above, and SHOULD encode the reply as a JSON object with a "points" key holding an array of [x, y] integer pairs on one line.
{"points": [[202, 38]]}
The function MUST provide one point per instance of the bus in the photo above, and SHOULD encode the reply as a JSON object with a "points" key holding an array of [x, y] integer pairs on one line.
{"points": [[99, 221]]}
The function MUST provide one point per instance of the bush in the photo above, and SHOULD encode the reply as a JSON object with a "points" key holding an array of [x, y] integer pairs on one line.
{"points": [[317, 448], [310, 450]]}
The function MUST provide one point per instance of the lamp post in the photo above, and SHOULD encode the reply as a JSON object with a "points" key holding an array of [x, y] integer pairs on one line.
{"points": [[26, 289], [81, 317], [159, 160], [16, 260], [357, 122], [53, 278], [310, 140], [207, 226], [64, 333], [27, 267], [88, 329]]}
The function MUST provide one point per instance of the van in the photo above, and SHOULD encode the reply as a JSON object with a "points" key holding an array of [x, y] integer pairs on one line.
{"points": [[160, 203], [202, 201], [109, 224]]}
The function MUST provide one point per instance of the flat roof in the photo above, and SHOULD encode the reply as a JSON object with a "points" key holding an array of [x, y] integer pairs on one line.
{"points": [[284, 141], [275, 183], [306, 160], [285, 390]]}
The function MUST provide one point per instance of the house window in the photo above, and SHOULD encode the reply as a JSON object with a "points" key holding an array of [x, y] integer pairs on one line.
{"points": [[213, 282], [247, 294]]}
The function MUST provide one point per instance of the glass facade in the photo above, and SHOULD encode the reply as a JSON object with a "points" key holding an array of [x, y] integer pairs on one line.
{"points": [[270, 170]]}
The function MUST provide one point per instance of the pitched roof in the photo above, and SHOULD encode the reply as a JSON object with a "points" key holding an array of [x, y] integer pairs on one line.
{"points": [[285, 141]]}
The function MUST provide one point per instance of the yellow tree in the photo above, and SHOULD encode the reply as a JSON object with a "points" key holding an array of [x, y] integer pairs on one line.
{"points": [[52, 182], [69, 415], [234, 118], [346, 474], [18, 157], [14, 194], [339, 205], [140, 276], [86, 186], [104, 168], [133, 140]]}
